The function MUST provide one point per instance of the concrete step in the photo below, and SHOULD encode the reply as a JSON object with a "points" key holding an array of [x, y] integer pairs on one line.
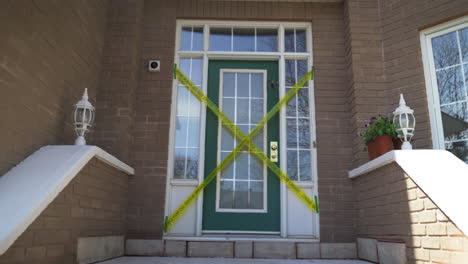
{"points": [[169, 260]]}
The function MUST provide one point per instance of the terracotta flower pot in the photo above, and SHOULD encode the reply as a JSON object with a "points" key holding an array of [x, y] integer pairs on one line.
{"points": [[379, 146]]}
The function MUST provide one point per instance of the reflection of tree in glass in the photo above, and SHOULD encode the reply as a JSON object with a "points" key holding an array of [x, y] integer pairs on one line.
{"points": [[445, 50], [450, 83], [459, 149], [179, 166], [463, 33], [267, 39]]}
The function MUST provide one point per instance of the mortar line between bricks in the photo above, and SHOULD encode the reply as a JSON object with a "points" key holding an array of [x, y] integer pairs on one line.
{"points": [[295, 247]]}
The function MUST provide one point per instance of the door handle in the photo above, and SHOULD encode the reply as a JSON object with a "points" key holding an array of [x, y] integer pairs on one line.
{"points": [[274, 151]]}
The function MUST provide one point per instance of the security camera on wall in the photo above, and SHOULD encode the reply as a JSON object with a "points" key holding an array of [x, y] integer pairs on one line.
{"points": [[154, 65]]}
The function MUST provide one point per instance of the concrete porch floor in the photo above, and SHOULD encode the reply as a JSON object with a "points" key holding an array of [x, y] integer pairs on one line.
{"points": [[171, 260]]}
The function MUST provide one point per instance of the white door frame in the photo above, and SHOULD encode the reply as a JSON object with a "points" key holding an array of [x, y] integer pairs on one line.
{"points": [[279, 56]]}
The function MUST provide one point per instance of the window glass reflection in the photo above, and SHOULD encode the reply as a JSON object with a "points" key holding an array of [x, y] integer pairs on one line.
{"points": [[187, 124], [220, 39], [450, 53], [450, 83], [192, 38], [301, 45], [463, 34], [295, 40], [267, 39], [445, 49], [289, 40], [244, 39], [186, 38]]}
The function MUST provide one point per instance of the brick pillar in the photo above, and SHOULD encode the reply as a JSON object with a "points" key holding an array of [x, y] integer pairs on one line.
{"points": [[151, 127], [119, 79], [366, 77]]}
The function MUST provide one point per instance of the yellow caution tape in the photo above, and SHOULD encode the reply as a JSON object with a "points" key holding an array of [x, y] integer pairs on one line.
{"points": [[244, 140]]}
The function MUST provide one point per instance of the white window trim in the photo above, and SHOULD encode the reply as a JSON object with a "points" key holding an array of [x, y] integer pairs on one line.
{"points": [[279, 56], [265, 134], [432, 91]]}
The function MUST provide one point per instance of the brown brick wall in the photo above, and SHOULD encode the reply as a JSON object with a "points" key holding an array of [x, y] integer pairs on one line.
{"points": [[119, 79], [401, 22], [49, 52], [383, 59], [94, 203], [365, 71], [153, 97], [392, 207]]}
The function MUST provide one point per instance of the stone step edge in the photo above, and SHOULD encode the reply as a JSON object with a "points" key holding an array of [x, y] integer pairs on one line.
{"points": [[240, 249]]}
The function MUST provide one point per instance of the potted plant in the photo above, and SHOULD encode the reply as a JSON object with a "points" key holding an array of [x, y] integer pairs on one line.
{"points": [[379, 135]]}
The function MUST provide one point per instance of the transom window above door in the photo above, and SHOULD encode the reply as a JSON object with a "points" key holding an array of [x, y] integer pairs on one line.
{"points": [[243, 39]]}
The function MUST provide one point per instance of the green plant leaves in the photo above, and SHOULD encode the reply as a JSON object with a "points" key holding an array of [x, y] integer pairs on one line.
{"points": [[378, 126]]}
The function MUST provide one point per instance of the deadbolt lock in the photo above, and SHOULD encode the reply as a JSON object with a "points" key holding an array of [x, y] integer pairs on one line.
{"points": [[274, 151]]}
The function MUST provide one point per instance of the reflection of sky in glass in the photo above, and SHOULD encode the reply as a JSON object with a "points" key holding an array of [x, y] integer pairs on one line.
{"points": [[298, 139], [450, 53], [220, 39], [445, 49], [244, 39], [187, 123], [192, 38]]}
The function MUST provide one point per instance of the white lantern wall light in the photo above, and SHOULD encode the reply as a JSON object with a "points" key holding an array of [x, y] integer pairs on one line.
{"points": [[403, 118], [83, 117]]}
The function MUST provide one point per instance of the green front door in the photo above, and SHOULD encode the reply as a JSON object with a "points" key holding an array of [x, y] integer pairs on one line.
{"points": [[246, 195]]}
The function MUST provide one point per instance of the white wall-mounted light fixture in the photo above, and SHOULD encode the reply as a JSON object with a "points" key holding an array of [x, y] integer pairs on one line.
{"points": [[83, 117], [404, 121]]}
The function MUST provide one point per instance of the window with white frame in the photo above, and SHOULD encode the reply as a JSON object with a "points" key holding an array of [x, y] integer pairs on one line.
{"points": [[288, 43], [445, 56]]}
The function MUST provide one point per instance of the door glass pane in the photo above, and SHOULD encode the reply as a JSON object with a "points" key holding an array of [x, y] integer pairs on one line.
{"points": [[226, 194], [450, 53], [220, 39], [244, 39], [256, 195], [267, 39], [229, 84], [245, 174]]}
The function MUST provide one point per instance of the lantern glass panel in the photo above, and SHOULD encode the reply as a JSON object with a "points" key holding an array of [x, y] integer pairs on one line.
{"points": [[411, 121], [404, 120], [79, 112], [88, 116]]}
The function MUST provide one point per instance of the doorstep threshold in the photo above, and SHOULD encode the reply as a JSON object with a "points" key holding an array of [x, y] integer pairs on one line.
{"points": [[241, 237], [171, 260]]}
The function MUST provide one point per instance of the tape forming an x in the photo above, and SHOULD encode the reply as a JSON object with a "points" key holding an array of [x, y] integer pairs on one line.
{"points": [[244, 141]]}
